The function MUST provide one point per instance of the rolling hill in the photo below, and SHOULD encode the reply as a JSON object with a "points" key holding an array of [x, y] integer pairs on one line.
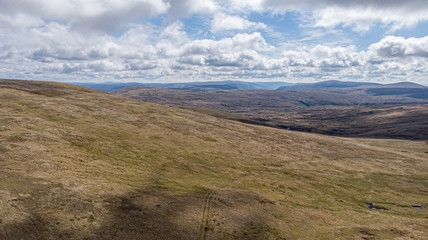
{"points": [[346, 84], [78, 163], [231, 85], [328, 84], [194, 86], [370, 112]]}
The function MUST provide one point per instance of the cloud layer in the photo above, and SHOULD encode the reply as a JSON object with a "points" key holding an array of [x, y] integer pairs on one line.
{"points": [[152, 40], [359, 14]]}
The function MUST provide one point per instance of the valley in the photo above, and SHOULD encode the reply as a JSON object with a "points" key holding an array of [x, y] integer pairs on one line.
{"points": [[78, 163], [396, 111]]}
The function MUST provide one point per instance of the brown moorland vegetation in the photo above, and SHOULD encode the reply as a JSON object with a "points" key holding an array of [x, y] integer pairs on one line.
{"points": [[380, 112], [77, 163]]}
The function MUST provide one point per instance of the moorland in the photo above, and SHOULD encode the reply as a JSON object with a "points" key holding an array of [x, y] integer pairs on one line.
{"points": [[78, 163], [332, 107]]}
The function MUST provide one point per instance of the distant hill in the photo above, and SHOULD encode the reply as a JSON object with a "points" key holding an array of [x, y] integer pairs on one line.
{"points": [[335, 111], [232, 85], [193, 86], [402, 85], [327, 84], [250, 98], [421, 93]]}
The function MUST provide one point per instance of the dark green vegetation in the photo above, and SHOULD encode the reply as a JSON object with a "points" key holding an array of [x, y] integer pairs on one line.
{"points": [[77, 163], [386, 111]]}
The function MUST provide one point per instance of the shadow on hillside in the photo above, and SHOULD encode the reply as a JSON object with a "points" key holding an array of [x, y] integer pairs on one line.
{"points": [[149, 213], [141, 216]]}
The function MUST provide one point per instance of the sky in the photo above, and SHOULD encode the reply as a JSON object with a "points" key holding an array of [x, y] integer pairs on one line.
{"points": [[381, 41]]}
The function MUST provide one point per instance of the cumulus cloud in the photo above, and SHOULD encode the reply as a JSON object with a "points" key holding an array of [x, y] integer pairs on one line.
{"points": [[180, 8], [225, 22], [239, 42], [399, 47], [238, 51], [362, 18], [174, 32], [358, 14], [95, 15], [109, 15], [336, 56], [284, 5], [19, 21], [171, 54], [110, 39]]}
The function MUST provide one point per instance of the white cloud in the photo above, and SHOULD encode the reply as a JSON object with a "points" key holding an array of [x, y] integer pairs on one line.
{"points": [[94, 15], [19, 22], [174, 33], [361, 19], [55, 50], [336, 56], [72, 39], [321, 57], [180, 8], [110, 15], [399, 47], [239, 42], [223, 22], [358, 14]]}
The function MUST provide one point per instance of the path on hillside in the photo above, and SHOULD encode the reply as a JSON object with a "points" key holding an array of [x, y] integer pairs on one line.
{"points": [[207, 214]]}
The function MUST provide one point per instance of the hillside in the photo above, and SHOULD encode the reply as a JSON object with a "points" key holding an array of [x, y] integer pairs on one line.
{"points": [[371, 112], [231, 85], [346, 84], [77, 163], [194, 86], [402, 85], [328, 84]]}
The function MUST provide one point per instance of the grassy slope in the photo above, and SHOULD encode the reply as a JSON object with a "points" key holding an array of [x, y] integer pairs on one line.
{"points": [[79, 163]]}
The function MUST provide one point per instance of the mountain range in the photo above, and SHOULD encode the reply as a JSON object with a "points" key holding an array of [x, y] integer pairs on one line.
{"points": [[230, 85], [194, 86]]}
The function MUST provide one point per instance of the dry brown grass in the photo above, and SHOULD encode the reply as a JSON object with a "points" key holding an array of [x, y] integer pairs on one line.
{"points": [[81, 164]]}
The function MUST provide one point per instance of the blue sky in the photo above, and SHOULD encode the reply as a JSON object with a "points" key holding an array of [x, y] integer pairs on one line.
{"points": [[190, 40]]}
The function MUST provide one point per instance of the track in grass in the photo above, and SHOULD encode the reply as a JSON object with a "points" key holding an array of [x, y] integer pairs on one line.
{"points": [[205, 226]]}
